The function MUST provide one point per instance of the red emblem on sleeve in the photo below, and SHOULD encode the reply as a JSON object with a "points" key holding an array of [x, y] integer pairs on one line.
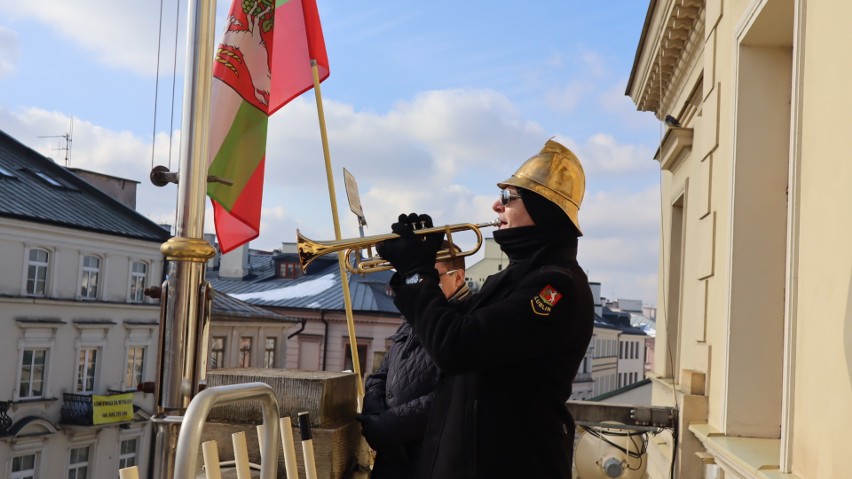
{"points": [[546, 299], [549, 295]]}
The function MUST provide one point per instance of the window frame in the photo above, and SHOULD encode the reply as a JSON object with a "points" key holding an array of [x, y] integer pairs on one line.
{"points": [[26, 473], [135, 294], [139, 335], [123, 456], [28, 262], [363, 345], [88, 272], [130, 367], [32, 367], [245, 353], [82, 369], [35, 336], [217, 356], [269, 362], [88, 464]]}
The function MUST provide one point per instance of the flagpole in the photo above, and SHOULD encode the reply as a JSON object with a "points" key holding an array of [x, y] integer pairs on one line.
{"points": [[341, 257]]}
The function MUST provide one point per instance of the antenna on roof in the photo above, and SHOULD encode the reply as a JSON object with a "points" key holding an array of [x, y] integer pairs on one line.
{"points": [[68, 140]]}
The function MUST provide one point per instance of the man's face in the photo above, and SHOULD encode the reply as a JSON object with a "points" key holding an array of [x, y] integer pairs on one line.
{"points": [[449, 279], [513, 214]]}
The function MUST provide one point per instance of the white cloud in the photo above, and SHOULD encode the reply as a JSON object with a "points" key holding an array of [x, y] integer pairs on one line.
{"points": [[602, 155], [121, 35], [439, 153], [567, 98], [10, 51]]}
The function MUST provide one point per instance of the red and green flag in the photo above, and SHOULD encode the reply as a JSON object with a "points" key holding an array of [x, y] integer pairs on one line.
{"points": [[263, 62]]}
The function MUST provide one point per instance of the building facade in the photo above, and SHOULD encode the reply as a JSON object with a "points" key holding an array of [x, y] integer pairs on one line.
{"points": [[80, 334], [755, 293]]}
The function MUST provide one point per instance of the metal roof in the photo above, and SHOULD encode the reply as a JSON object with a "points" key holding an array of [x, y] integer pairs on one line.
{"points": [[34, 188], [319, 289], [225, 305]]}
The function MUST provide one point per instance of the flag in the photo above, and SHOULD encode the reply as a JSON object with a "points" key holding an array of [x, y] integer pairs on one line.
{"points": [[263, 62]]}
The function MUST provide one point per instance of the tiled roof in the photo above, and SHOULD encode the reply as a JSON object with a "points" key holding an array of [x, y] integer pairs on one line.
{"points": [[34, 188]]}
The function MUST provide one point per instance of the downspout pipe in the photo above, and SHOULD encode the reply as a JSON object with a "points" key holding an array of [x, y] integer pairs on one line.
{"points": [[303, 322], [324, 339]]}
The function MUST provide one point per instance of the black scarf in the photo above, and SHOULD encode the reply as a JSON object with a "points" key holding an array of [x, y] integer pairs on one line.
{"points": [[521, 243]]}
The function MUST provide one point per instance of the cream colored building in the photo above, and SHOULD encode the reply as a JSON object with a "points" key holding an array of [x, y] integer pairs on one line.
{"points": [[74, 264], [754, 320]]}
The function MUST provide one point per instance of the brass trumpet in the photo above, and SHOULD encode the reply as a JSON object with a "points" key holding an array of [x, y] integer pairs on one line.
{"points": [[309, 249]]}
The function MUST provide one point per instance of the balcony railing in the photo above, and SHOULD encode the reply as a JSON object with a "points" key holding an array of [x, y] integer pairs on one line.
{"points": [[76, 409], [5, 420]]}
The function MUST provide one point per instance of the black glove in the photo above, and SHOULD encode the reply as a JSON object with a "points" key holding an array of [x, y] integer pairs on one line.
{"points": [[411, 253], [371, 430]]}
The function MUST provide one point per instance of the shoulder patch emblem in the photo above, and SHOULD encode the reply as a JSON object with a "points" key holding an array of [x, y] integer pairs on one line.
{"points": [[545, 301]]}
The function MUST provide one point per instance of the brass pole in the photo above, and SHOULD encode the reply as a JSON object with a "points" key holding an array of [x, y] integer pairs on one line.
{"points": [[184, 322], [341, 258]]}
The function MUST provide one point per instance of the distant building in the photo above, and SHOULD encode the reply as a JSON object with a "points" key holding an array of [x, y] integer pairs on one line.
{"points": [[247, 336], [275, 282], [493, 261], [79, 332]]}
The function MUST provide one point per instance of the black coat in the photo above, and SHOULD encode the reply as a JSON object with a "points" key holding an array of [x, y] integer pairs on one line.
{"points": [[510, 354], [401, 390]]}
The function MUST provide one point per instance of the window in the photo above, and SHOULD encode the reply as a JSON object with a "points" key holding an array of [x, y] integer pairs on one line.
{"points": [[217, 352], [6, 172], [89, 278], [86, 370], [245, 352], [127, 452], [48, 179], [362, 354], [37, 272], [288, 270], [269, 353], [32, 373], [24, 467], [138, 273], [78, 463], [135, 361]]}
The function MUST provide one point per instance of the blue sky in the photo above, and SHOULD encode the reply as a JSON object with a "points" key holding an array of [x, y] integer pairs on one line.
{"points": [[429, 104]]}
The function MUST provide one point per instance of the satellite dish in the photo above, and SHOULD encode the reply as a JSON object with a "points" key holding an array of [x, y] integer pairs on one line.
{"points": [[611, 452]]}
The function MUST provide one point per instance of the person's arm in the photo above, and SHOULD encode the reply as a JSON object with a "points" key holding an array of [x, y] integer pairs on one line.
{"points": [[402, 423], [374, 389], [510, 328]]}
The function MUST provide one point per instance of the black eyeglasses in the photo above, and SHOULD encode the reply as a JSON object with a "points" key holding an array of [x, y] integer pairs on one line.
{"points": [[506, 196]]}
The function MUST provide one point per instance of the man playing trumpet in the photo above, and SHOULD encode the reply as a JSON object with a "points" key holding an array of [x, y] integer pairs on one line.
{"points": [[510, 352]]}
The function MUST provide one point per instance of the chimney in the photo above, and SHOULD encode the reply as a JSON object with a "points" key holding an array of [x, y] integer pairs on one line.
{"points": [[234, 264], [120, 189], [596, 294]]}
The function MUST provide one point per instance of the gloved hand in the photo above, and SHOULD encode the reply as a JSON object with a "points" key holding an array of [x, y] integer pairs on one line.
{"points": [[411, 253], [371, 430]]}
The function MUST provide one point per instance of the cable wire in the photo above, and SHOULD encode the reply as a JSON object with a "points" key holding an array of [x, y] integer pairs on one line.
{"points": [[156, 86]]}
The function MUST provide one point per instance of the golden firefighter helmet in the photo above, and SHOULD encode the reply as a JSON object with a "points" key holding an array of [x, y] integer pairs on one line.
{"points": [[557, 175]]}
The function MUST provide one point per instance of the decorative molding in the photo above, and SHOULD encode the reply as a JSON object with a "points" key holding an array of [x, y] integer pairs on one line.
{"points": [[674, 145], [679, 38]]}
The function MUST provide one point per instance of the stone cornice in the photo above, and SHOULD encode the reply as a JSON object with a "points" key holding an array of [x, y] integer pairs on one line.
{"points": [[674, 33]]}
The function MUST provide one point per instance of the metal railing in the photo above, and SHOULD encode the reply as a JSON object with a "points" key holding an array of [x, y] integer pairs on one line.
{"points": [[192, 425]]}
